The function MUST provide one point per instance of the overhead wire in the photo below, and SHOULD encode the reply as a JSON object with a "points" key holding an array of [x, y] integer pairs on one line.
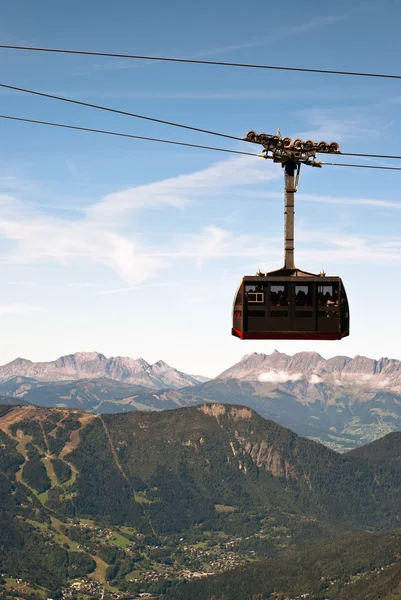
{"points": [[170, 123], [177, 143], [331, 164], [126, 135], [389, 156], [200, 61], [117, 111]]}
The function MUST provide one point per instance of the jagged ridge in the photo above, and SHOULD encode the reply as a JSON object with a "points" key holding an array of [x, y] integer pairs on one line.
{"points": [[91, 365]]}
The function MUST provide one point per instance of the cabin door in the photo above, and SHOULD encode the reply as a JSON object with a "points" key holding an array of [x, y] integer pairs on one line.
{"points": [[303, 307]]}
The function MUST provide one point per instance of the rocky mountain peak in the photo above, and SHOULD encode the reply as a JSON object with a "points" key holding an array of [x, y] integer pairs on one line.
{"points": [[94, 365], [88, 356], [77, 359], [19, 362], [162, 365], [311, 368]]}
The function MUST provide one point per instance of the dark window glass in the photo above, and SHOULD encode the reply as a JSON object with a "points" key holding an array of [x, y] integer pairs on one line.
{"points": [[327, 295], [303, 295], [238, 299], [254, 287], [279, 295]]}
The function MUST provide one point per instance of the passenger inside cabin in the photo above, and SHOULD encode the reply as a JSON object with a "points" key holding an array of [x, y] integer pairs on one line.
{"points": [[329, 300], [301, 299], [282, 299]]}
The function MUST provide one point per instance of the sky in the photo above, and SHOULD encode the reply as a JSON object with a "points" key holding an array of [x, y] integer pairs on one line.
{"points": [[133, 248]]}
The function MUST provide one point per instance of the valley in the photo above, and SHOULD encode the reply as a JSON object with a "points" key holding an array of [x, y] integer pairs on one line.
{"points": [[115, 489], [156, 503]]}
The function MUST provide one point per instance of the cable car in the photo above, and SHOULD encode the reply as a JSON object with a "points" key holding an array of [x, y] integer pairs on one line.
{"points": [[285, 305], [290, 304]]}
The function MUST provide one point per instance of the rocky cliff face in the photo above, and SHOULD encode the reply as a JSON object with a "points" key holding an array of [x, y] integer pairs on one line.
{"points": [[93, 365], [310, 367]]}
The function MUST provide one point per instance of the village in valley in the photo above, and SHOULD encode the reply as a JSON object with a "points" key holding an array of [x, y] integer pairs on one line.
{"points": [[156, 563]]}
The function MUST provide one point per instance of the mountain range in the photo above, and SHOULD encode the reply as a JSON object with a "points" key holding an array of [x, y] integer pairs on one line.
{"points": [[343, 402], [93, 365]]}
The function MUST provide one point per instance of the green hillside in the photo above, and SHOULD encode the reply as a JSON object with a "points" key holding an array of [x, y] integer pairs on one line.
{"points": [[357, 566], [143, 501]]}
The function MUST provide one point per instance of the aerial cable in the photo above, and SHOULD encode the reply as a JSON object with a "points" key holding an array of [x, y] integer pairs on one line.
{"points": [[200, 62], [115, 110], [176, 143], [330, 164], [126, 135], [182, 126], [389, 156]]}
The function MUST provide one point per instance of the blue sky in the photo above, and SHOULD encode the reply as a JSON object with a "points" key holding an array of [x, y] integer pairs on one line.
{"points": [[133, 248]]}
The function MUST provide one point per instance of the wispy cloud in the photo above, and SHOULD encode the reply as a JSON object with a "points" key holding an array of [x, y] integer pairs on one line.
{"points": [[17, 309], [159, 284], [82, 284], [307, 93], [97, 236], [19, 283], [278, 34], [341, 124], [178, 191], [317, 198], [111, 64], [349, 201], [104, 236]]}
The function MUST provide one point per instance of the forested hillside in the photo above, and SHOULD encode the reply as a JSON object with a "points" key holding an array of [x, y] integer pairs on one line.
{"points": [[144, 501]]}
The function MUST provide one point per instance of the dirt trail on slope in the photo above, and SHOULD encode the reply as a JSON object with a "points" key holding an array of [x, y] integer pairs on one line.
{"points": [[113, 451], [99, 574], [44, 437], [19, 413], [75, 436]]}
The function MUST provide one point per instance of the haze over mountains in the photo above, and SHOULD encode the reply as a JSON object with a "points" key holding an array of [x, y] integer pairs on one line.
{"points": [[93, 365], [277, 367], [343, 402]]}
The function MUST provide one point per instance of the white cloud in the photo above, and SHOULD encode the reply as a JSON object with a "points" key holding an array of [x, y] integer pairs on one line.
{"points": [[97, 237], [383, 384], [17, 309], [82, 284], [376, 202], [314, 379], [279, 34], [178, 191], [340, 125], [279, 377], [312, 93], [317, 198], [214, 242]]}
